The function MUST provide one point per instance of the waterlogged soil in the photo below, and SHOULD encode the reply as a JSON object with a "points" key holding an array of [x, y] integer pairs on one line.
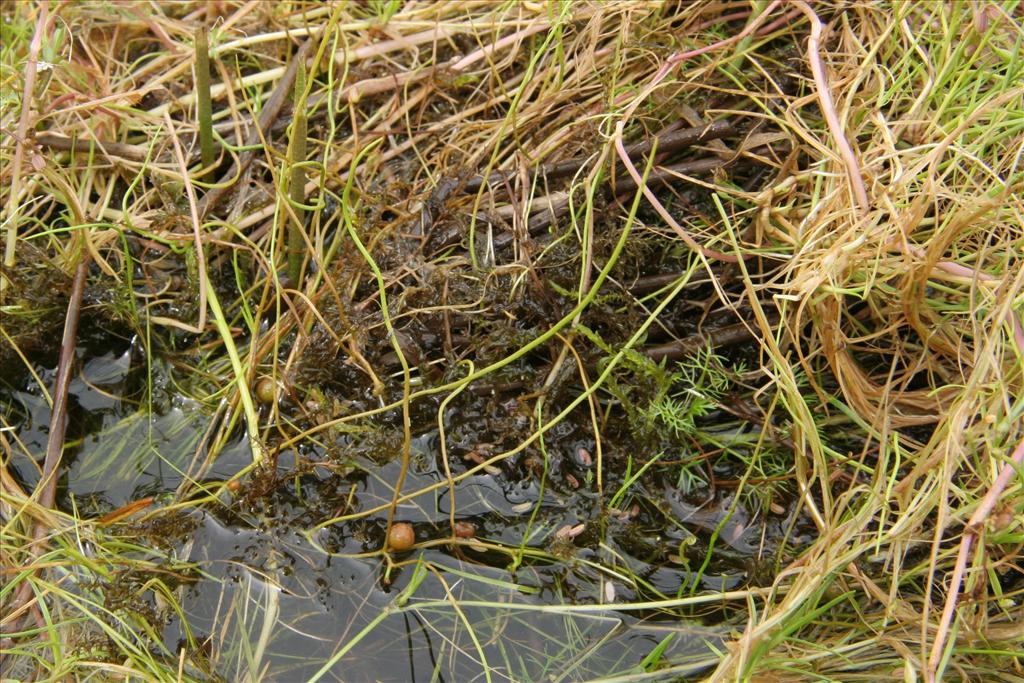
{"points": [[568, 559], [262, 579]]}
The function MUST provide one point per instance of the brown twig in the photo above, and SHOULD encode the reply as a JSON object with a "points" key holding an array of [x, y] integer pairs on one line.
{"points": [[658, 77], [58, 417], [109, 149], [662, 174], [545, 210], [667, 144], [46, 489], [659, 207], [729, 335]]}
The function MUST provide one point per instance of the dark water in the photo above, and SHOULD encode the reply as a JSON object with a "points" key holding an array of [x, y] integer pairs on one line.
{"points": [[274, 596]]}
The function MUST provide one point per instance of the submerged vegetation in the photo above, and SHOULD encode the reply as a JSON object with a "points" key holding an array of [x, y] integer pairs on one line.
{"points": [[512, 341]]}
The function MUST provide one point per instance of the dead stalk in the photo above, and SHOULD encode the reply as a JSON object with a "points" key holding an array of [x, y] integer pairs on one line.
{"points": [[972, 530], [27, 96]]}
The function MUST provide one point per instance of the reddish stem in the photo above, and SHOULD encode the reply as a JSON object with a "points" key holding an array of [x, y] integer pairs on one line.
{"points": [[971, 532], [828, 108], [21, 139]]}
